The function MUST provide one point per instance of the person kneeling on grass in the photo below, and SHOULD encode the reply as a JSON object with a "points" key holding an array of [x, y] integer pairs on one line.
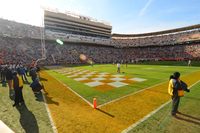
{"points": [[176, 89], [36, 86], [18, 85]]}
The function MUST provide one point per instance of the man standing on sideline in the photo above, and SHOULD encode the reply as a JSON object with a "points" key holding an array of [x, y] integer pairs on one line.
{"points": [[18, 86], [9, 78], [118, 67], [189, 62], [175, 87]]}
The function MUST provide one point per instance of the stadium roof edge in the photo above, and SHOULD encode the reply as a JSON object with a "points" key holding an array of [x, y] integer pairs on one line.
{"points": [[76, 15], [158, 32]]}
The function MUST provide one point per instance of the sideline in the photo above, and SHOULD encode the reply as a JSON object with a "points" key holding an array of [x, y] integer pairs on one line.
{"points": [[49, 114], [150, 114], [109, 101], [72, 90], [137, 92], [89, 103], [130, 94]]}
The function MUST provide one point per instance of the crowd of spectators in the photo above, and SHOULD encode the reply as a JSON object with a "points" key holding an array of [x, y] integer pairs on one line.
{"points": [[158, 40], [175, 52], [14, 50], [22, 43], [27, 50], [69, 53], [52, 35], [18, 30]]}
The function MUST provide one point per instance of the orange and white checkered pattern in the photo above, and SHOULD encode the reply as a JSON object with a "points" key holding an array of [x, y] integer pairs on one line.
{"points": [[98, 80]]}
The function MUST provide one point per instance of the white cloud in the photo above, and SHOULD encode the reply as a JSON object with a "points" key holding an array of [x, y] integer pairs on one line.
{"points": [[143, 10]]}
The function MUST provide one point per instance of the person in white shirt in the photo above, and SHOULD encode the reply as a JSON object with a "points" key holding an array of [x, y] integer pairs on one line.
{"points": [[189, 62], [118, 67]]}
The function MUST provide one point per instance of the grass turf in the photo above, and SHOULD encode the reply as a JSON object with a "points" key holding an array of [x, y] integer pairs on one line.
{"points": [[72, 115], [187, 122], [113, 117], [32, 118], [153, 73]]}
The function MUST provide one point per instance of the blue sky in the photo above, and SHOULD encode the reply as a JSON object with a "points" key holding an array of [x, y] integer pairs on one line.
{"points": [[126, 16]]}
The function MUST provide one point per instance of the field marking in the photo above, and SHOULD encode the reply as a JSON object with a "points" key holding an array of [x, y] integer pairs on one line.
{"points": [[49, 114], [98, 76], [137, 92], [130, 94], [4, 128], [111, 100], [150, 114], [73, 91]]}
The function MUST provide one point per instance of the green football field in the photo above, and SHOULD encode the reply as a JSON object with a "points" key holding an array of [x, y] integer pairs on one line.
{"points": [[152, 74], [187, 122], [34, 117]]}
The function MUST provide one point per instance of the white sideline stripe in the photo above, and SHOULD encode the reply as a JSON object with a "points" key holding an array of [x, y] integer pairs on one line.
{"points": [[135, 92], [4, 128], [145, 118], [150, 114], [49, 114], [129, 95], [73, 91]]}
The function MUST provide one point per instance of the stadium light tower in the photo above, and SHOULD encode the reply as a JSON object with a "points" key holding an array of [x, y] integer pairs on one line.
{"points": [[43, 49]]}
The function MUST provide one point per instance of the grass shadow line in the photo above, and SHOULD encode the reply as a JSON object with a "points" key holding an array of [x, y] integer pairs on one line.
{"points": [[189, 116], [105, 112], [188, 120]]}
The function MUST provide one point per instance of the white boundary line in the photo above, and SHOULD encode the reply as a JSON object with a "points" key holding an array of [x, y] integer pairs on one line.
{"points": [[49, 114], [112, 100], [73, 91], [4, 128], [150, 114], [145, 118], [129, 94], [136, 92]]}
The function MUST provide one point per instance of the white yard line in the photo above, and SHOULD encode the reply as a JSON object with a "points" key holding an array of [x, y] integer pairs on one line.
{"points": [[73, 91], [134, 93], [150, 114], [111, 100], [4, 128], [129, 95], [49, 114]]}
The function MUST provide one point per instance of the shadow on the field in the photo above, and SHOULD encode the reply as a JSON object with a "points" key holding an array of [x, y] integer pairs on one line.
{"points": [[27, 120], [105, 112], [39, 96], [189, 119], [43, 79], [189, 116], [49, 99]]}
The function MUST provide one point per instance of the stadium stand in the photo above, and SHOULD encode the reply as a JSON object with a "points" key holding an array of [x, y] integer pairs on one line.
{"points": [[18, 30], [75, 24], [22, 43], [191, 33]]}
